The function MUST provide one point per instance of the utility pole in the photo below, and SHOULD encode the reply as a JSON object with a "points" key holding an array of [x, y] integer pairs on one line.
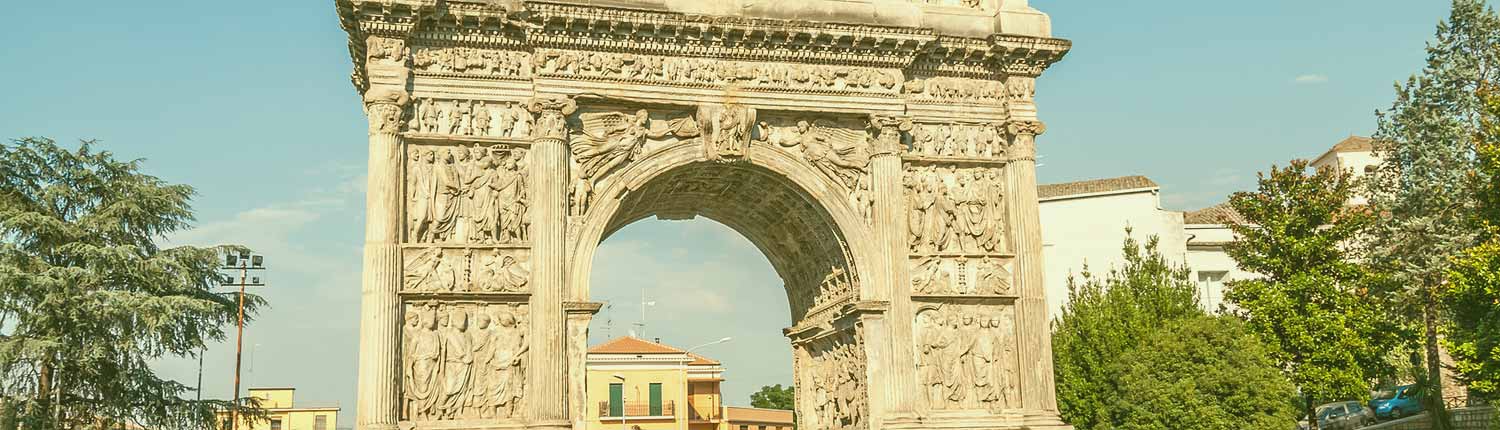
{"points": [[244, 262]]}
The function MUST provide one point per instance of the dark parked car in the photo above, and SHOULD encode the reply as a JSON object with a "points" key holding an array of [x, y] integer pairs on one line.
{"points": [[1348, 415], [1397, 402]]}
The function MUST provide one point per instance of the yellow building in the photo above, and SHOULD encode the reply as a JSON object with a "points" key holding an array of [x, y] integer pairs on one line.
{"points": [[635, 384], [281, 414]]}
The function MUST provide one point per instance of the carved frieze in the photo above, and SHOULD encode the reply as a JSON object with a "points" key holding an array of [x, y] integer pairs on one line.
{"points": [[966, 357], [463, 361], [386, 51], [476, 118], [962, 276], [606, 141], [475, 62], [962, 141], [945, 89], [466, 270], [836, 376], [955, 210], [706, 72], [467, 194]]}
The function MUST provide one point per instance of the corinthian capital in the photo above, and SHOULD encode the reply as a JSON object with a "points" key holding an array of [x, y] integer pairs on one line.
{"points": [[888, 132], [1028, 128], [384, 106], [551, 116]]}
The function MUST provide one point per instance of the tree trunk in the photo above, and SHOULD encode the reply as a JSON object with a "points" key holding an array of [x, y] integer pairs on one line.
{"points": [[1437, 412], [43, 405], [1312, 421]]}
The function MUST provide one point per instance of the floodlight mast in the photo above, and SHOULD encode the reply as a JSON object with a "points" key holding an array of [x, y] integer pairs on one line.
{"points": [[245, 262]]}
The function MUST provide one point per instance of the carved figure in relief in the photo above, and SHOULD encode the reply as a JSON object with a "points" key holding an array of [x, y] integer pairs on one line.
{"points": [[458, 362], [840, 154], [424, 359], [481, 119], [504, 120], [482, 194], [965, 360], [611, 139], [506, 378], [995, 240], [503, 273], [726, 130], [388, 50], [523, 121], [430, 271], [955, 211], [994, 278], [510, 191], [861, 198], [423, 188], [579, 196], [930, 277]]}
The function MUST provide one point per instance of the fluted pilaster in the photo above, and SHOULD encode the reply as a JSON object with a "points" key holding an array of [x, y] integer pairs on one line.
{"points": [[547, 393], [379, 351], [1035, 349], [888, 222]]}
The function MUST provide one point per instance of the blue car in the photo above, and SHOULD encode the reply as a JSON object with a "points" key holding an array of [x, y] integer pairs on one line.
{"points": [[1397, 402]]}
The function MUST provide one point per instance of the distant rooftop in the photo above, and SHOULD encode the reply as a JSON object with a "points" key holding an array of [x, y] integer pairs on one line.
{"points": [[757, 415], [1349, 144], [638, 346], [1221, 213], [1095, 186]]}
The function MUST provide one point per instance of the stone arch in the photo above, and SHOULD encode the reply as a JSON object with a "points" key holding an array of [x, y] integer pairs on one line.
{"points": [[649, 186]]}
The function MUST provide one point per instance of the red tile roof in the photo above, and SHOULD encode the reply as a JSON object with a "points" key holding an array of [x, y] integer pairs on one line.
{"points": [[756, 415], [633, 345], [1092, 186]]}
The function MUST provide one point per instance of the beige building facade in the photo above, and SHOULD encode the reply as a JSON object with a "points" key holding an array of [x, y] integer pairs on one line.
{"points": [[880, 153], [283, 414]]}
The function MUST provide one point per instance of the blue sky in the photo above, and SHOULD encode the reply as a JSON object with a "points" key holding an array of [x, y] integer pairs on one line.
{"points": [[252, 105]]}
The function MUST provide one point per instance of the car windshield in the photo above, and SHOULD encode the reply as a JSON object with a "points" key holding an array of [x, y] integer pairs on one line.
{"points": [[1385, 395]]}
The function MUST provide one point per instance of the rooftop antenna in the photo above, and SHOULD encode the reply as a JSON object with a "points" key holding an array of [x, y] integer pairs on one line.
{"points": [[642, 324]]}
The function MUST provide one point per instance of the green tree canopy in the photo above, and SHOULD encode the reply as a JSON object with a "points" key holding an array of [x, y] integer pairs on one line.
{"points": [[1472, 298], [1313, 304], [1204, 372], [774, 397], [87, 297], [1107, 317], [1422, 191]]}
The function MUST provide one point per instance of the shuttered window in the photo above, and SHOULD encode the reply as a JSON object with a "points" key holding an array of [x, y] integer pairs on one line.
{"points": [[655, 400], [616, 400]]}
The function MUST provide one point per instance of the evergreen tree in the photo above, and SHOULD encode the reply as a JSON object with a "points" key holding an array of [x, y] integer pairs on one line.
{"points": [[1105, 318], [1312, 303], [87, 297], [1422, 191]]}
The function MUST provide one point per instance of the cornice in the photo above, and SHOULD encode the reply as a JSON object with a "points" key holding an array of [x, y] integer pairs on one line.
{"points": [[727, 37], [1028, 56]]}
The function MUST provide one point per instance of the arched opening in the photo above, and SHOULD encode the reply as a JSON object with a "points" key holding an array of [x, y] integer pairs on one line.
{"points": [[785, 221]]}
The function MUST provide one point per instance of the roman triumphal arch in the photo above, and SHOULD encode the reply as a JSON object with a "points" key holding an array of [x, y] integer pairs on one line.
{"points": [[879, 152]]}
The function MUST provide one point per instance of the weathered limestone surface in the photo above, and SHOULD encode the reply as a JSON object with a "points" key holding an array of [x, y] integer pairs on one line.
{"points": [[879, 152]]}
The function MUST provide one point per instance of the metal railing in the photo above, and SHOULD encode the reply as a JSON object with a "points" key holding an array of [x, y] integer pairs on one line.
{"points": [[637, 409], [712, 415]]}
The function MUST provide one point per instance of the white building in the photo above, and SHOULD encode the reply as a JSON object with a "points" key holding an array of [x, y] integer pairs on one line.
{"points": [[1084, 223]]}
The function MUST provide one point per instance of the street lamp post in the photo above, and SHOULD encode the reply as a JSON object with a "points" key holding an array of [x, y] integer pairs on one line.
{"points": [[244, 262], [685, 408], [622, 399]]}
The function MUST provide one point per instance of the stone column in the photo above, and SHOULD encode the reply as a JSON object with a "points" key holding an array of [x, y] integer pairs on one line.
{"points": [[546, 392], [1038, 392], [380, 307], [889, 224], [579, 316]]}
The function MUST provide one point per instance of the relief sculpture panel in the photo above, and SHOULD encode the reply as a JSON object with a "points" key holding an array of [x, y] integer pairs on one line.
{"points": [[839, 150], [470, 118], [467, 194], [463, 361], [984, 276], [472, 62], [963, 141], [955, 210], [835, 377], [466, 270], [966, 357]]}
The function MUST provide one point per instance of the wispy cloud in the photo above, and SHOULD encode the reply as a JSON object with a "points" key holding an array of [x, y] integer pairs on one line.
{"points": [[1310, 79]]}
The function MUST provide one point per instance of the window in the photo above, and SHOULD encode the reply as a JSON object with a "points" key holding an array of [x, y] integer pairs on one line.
{"points": [[655, 400], [762, 427], [275, 424], [1211, 289], [617, 400], [320, 422], [744, 427]]}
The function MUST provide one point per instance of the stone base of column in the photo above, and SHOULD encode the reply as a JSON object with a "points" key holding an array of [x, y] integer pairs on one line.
{"points": [[550, 425], [1010, 420]]}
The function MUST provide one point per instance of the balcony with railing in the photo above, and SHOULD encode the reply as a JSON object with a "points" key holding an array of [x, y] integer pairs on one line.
{"points": [[637, 410]]}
